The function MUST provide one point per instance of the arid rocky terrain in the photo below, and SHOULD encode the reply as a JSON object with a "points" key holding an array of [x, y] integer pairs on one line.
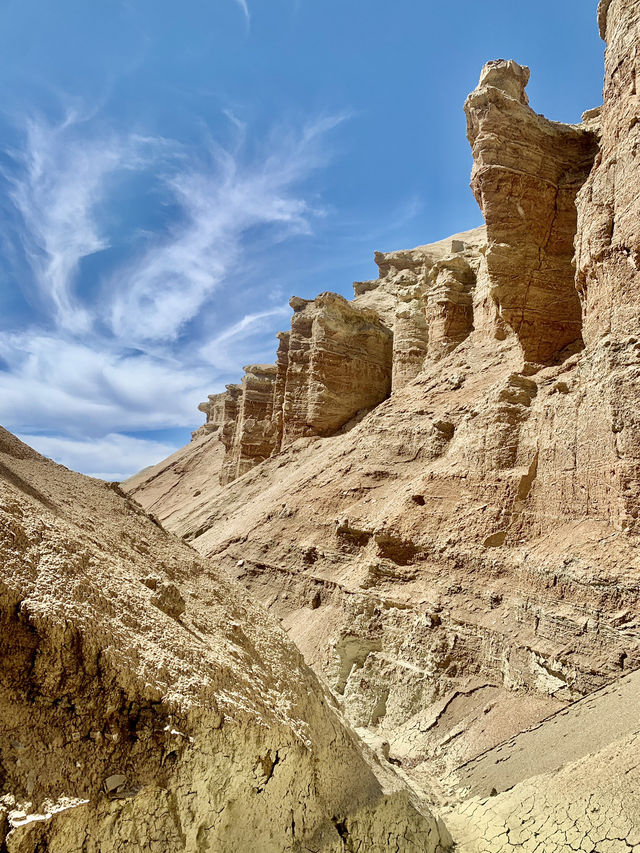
{"points": [[405, 611], [146, 703]]}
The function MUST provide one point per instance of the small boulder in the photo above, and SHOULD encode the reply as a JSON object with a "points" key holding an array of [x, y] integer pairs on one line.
{"points": [[168, 599]]}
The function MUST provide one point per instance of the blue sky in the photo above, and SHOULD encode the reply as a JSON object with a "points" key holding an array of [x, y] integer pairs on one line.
{"points": [[173, 172]]}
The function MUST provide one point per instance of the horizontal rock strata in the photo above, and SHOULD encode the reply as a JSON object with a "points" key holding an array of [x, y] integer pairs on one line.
{"points": [[339, 362], [250, 434], [213, 408], [336, 361], [426, 296], [526, 174]]}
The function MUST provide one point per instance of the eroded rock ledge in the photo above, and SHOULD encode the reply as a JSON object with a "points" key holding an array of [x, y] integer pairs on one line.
{"points": [[335, 361], [513, 277]]}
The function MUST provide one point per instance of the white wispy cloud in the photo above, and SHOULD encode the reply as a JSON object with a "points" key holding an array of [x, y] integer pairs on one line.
{"points": [[59, 183], [118, 455], [227, 346], [220, 200], [245, 10], [244, 326], [77, 388], [120, 354]]}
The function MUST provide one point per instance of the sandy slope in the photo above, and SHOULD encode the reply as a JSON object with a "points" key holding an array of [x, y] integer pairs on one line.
{"points": [[146, 704]]}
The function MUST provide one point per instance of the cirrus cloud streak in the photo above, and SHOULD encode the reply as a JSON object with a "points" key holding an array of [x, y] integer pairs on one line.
{"points": [[134, 341]]}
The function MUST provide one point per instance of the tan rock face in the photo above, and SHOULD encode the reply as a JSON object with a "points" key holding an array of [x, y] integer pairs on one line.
{"points": [[254, 428], [231, 414], [477, 462], [214, 410], [526, 173], [463, 562], [282, 365], [449, 304], [335, 361], [608, 278], [410, 337], [147, 704], [339, 362], [608, 246], [426, 295], [433, 314]]}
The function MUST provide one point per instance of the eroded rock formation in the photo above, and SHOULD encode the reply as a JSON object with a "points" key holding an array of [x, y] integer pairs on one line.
{"points": [[335, 362], [231, 413], [251, 430], [526, 174], [462, 565], [339, 362], [146, 704], [213, 408], [426, 297], [607, 249]]}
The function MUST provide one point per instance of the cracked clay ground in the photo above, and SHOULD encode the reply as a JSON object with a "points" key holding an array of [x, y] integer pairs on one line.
{"points": [[591, 804]]}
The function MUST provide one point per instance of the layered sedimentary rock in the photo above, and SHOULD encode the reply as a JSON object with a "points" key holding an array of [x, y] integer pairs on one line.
{"points": [[251, 431], [341, 358], [526, 173], [463, 563], [146, 704], [599, 457], [231, 412], [410, 336], [472, 464], [608, 277], [449, 304], [425, 295], [335, 362], [339, 362], [282, 365], [608, 245], [213, 408], [434, 313]]}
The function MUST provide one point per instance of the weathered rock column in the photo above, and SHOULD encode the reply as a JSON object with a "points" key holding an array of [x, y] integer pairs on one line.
{"points": [[228, 432], [282, 365], [608, 278], [339, 363], [526, 173], [449, 304], [410, 338], [214, 410], [255, 434], [608, 244]]}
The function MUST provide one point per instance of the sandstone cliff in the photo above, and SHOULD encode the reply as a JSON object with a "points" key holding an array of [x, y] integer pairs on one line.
{"points": [[460, 562], [526, 173], [213, 408], [335, 362]]}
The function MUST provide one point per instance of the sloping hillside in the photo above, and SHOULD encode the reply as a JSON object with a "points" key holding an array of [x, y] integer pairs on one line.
{"points": [[146, 704]]}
